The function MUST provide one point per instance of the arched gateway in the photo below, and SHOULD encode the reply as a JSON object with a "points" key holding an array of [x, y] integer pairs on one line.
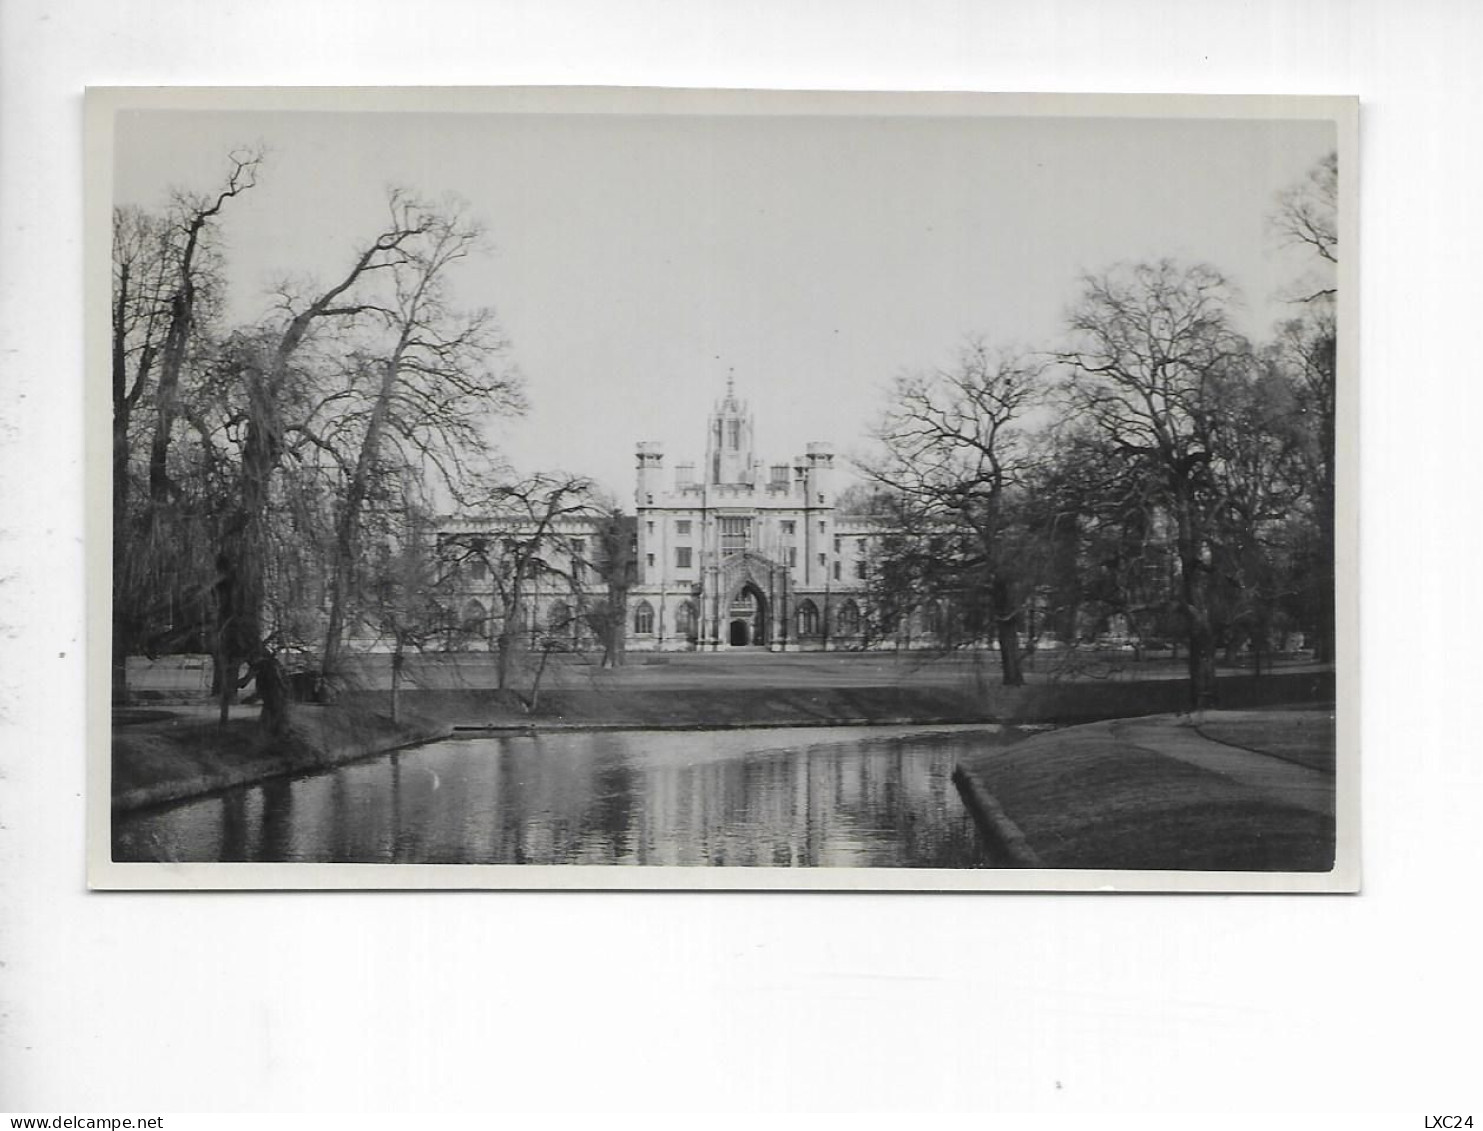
{"points": [[746, 616]]}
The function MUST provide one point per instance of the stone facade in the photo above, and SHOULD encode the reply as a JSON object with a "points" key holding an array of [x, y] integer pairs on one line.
{"points": [[733, 553], [741, 552]]}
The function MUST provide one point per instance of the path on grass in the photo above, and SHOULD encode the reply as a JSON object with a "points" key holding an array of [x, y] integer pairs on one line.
{"points": [[1249, 790], [1276, 777]]}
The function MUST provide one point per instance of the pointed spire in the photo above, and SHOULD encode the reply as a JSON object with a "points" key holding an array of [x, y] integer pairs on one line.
{"points": [[731, 382]]}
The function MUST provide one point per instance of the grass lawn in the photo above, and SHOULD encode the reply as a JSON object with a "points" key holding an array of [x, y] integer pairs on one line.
{"points": [[1305, 737], [160, 756], [1085, 800]]}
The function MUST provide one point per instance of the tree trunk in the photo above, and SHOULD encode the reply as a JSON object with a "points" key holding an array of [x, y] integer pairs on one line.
{"points": [[227, 689], [240, 587], [504, 647], [272, 689], [1201, 659], [535, 687], [335, 626], [396, 682], [1195, 600], [172, 361], [1009, 653], [618, 629], [1201, 670], [1006, 625], [347, 528]]}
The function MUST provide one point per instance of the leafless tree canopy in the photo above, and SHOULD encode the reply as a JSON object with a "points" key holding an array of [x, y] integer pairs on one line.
{"points": [[1155, 469], [269, 475]]}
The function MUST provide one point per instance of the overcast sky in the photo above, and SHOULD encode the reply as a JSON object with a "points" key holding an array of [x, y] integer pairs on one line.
{"points": [[636, 259]]}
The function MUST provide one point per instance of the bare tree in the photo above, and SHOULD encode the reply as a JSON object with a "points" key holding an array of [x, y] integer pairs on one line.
{"points": [[418, 398], [1306, 215], [191, 222], [266, 367], [523, 546], [408, 597], [1258, 487], [142, 278], [166, 276], [1152, 348], [1105, 544], [612, 560], [956, 457]]}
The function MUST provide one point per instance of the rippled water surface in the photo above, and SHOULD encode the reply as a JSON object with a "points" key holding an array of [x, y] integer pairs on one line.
{"points": [[839, 797]]}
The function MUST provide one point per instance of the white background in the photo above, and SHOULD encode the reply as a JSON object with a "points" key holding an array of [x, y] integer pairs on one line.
{"points": [[206, 1002]]}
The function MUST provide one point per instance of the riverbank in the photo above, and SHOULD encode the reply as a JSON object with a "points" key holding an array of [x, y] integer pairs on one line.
{"points": [[182, 752], [171, 754], [1245, 790], [758, 701]]}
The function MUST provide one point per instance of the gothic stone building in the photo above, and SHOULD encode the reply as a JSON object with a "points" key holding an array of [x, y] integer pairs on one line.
{"points": [[736, 553]]}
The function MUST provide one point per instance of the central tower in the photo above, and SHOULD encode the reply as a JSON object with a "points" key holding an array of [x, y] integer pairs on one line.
{"points": [[728, 455]]}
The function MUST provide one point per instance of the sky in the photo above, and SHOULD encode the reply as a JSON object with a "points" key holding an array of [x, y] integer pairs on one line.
{"points": [[636, 260]]}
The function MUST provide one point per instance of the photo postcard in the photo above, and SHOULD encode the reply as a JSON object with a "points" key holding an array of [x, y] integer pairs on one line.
{"points": [[700, 489]]}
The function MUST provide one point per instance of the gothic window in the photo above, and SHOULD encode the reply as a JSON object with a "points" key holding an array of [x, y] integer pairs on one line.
{"points": [[780, 475], [685, 619], [792, 556], [860, 570], [849, 618], [838, 541], [643, 619], [682, 557], [682, 527], [836, 570], [733, 434], [789, 527], [808, 618], [736, 534]]}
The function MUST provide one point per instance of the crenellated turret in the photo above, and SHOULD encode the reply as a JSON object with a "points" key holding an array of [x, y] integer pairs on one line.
{"points": [[819, 475], [650, 472]]}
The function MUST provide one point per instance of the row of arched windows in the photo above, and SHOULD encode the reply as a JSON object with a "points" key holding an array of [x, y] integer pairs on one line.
{"points": [[809, 621], [685, 619], [846, 619], [559, 618]]}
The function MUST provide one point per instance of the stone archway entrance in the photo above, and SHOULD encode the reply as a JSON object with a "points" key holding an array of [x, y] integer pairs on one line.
{"points": [[746, 616]]}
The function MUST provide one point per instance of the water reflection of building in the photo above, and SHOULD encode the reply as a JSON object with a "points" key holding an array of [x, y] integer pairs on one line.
{"points": [[848, 799], [734, 553]]}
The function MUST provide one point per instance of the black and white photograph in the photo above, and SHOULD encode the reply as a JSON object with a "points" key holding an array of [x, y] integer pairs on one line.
{"points": [[688, 489]]}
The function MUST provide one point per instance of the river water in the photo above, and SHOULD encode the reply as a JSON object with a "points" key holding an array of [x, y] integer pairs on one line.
{"points": [[833, 797]]}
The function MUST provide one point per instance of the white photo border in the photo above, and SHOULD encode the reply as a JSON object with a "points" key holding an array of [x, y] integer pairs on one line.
{"points": [[102, 106]]}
